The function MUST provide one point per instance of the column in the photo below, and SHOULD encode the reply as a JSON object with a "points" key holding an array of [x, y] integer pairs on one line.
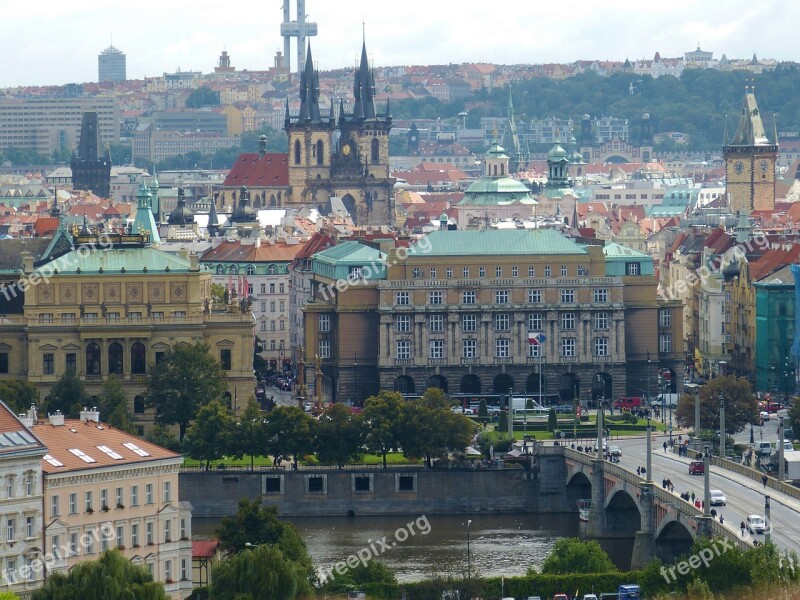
{"points": [[596, 527]]}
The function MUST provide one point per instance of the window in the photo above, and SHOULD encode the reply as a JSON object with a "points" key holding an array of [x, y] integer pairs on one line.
{"points": [[55, 544], [263, 325], [534, 296], [416, 273], [403, 323], [433, 272], [225, 359], [87, 501], [568, 347], [601, 320], [46, 318], [120, 536], [469, 323], [502, 322], [449, 272], [632, 268], [567, 296], [54, 505], [73, 544], [134, 495], [168, 530], [272, 288], [435, 297], [73, 503], [3, 362], [167, 490], [563, 270], [272, 306], [184, 535], [88, 539], [263, 290], [118, 497], [184, 570], [29, 529], [403, 349], [514, 272], [135, 535], [29, 485], [103, 498], [402, 298], [48, 364], [498, 271], [547, 271], [466, 272], [531, 271], [568, 321], [501, 347], [10, 529], [468, 297], [665, 342], [324, 323], [148, 533], [281, 305], [168, 569], [534, 350], [601, 295], [10, 487], [324, 349], [601, 346], [469, 348], [664, 318], [436, 323], [535, 322], [501, 296], [481, 272], [436, 349]]}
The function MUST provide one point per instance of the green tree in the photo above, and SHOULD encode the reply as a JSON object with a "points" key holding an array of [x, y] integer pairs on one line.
{"points": [[435, 398], [218, 293], [380, 421], [483, 412], [741, 406], [187, 378], [67, 395], [160, 435], [571, 555], [19, 395], [210, 435], [552, 420], [430, 429], [111, 577], [261, 573], [289, 431], [256, 524], [249, 432], [502, 421], [338, 435], [202, 96], [373, 572], [113, 406]]}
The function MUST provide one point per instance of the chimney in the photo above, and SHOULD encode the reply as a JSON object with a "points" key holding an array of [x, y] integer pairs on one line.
{"points": [[57, 419], [88, 416], [26, 420], [32, 414]]}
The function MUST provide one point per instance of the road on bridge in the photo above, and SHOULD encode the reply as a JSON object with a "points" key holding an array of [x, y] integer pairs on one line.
{"points": [[744, 496]]}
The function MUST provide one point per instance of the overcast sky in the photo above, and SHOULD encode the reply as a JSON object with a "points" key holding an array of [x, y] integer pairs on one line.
{"points": [[57, 41]]}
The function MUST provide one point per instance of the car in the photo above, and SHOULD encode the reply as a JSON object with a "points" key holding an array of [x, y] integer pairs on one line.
{"points": [[756, 524], [697, 467], [460, 410], [615, 451], [788, 446], [560, 597], [308, 406], [763, 448], [493, 410], [764, 416], [718, 498], [589, 597]]}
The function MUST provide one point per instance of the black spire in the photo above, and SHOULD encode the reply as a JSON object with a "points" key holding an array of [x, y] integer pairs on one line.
{"points": [[364, 88], [181, 215], [213, 221], [309, 91]]}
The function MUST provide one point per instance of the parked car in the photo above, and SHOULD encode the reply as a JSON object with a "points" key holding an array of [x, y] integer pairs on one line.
{"points": [[460, 410], [763, 448], [756, 524], [615, 451], [764, 416], [560, 597], [787, 446], [718, 498], [697, 467]]}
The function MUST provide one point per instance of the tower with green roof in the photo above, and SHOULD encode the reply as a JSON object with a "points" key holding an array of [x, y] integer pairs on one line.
{"points": [[144, 223]]}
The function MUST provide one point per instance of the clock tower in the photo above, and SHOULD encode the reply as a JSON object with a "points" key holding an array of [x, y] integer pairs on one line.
{"points": [[750, 160]]}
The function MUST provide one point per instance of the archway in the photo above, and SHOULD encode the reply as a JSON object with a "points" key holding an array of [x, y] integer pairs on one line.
{"points": [[404, 384], [602, 388], [673, 541], [502, 383], [437, 381], [532, 384], [470, 384], [579, 487], [623, 518], [569, 387]]}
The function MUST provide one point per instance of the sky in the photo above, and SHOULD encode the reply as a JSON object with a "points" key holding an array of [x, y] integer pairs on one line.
{"points": [[53, 42]]}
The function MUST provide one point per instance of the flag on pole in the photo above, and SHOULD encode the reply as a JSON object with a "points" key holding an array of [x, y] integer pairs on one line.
{"points": [[536, 339], [230, 285]]}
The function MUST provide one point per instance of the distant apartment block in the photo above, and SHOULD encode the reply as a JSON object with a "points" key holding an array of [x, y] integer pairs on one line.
{"points": [[154, 145], [111, 65], [191, 120], [45, 125]]}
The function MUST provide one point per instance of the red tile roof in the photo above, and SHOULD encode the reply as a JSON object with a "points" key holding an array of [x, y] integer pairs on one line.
{"points": [[254, 170], [236, 252], [204, 548]]}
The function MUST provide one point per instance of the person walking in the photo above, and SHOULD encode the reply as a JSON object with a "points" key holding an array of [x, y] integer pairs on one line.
{"points": [[665, 446], [639, 471], [742, 527], [721, 520], [764, 479]]}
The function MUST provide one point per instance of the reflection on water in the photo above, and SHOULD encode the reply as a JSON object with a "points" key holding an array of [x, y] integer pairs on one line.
{"points": [[498, 544]]}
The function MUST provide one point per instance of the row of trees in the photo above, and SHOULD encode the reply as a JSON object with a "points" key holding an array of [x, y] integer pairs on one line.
{"points": [[741, 405], [423, 429]]}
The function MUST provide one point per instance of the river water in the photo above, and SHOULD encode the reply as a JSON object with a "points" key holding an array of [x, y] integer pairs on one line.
{"points": [[498, 544]]}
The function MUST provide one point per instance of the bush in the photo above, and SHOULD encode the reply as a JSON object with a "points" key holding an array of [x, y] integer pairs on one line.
{"points": [[552, 420], [500, 440]]}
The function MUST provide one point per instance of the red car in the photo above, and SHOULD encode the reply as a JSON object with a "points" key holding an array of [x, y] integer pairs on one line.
{"points": [[697, 467]]}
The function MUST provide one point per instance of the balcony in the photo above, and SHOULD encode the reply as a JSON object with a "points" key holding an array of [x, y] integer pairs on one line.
{"points": [[602, 359], [470, 361], [403, 361], [568, 359], [534, 360], [504, 360], [437, 361]]}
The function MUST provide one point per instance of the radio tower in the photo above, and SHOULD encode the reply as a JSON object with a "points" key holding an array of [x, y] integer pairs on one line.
{"points": [[299, 29]]}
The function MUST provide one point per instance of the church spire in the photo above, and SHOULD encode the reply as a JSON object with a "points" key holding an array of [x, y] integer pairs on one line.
{"points": [[309, 91], [213, 220], [364, 88], [750, 130]]}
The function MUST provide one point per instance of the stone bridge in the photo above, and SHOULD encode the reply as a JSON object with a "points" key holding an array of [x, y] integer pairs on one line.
{"points": [[625, 505]]}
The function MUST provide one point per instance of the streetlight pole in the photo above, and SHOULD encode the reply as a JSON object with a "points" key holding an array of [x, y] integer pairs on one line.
{"points": [[355, 378], [648, 475], [721, 425], [600, 417], [469, 555], [511, 413], [781, 466], [768, 524], [706, 482]]}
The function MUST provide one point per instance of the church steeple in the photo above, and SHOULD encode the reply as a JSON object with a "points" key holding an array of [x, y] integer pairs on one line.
{"points": [[750, 130], [364, 88], [144, 221], [309, 91], [213, 220]]}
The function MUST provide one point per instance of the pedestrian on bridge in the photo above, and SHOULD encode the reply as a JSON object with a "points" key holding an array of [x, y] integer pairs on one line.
{"points": [[665, 446], [764, 479], [742, 527], [692, 495]]}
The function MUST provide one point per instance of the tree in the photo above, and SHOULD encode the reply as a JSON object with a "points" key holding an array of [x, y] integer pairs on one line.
{"points": [[289, 431], [256, 524], [571, 555], [552, 420], [248, 433], [435, 398], [218, 293], [427, 431], [261, 573], [113, 406], [483, 412], [210, 435], [160, 435], [67, 395], [202, 96], [111, 577], [338, 435], [19, 395], [741, 406], [187, 378], [380, 421], [373, 572]]}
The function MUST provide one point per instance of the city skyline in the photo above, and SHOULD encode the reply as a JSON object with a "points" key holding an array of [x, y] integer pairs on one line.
{"points": [[189, 36]]}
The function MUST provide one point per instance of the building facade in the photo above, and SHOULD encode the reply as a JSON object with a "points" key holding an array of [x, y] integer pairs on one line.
{"points": [[111, 65]]}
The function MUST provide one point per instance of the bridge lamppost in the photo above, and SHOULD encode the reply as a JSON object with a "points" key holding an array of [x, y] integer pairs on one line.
{"points": [[706, 482], [602, 382], [469, 555], [721, 425], [768, 524], [781, 465], [648, 475]]}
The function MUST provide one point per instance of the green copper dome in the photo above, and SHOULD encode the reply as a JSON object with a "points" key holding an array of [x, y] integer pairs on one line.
{"points": [[496, 151], [496, 191], [557, 154]]}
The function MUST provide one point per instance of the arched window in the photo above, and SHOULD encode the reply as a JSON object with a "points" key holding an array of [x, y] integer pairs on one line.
{"points": [[272, 270], [115, 358], [297, 152], [138, 358], [502, 169], [251, 270], [375, 151], [320, 149], [93, 359], [220, 270], [495, 170], [233, 270], [138, 404]]}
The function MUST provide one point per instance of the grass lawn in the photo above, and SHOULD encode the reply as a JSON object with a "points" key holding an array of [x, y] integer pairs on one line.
{"points": [[393, 458]]}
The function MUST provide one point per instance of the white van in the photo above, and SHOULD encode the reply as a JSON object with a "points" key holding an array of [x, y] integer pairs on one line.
{"points": [[666, 400], [763, 448]]}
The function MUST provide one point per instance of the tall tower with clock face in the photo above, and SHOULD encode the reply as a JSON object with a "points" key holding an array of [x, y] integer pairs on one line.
{"points": [[750, 159]]}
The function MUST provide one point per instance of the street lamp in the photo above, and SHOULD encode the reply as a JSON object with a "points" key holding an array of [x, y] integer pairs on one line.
{"points": [[648, 476], [721, 425], [355, 377], [600, 417], [706, 482], [469, 555], [768, 524], [781, 466]]}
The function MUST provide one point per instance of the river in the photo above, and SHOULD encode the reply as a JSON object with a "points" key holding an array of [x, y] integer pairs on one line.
{"points": [[498, 544]]}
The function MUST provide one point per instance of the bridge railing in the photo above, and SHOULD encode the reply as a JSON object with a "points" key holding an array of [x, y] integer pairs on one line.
{"points": [[756, 475]]}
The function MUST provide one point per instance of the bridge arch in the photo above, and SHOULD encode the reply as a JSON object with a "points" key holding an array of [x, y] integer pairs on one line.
{"points": [[673, 539], [579, 487], [622, 512]]}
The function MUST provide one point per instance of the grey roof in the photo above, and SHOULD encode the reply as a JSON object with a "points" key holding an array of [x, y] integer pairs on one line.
{"points": [[11, 251]]}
